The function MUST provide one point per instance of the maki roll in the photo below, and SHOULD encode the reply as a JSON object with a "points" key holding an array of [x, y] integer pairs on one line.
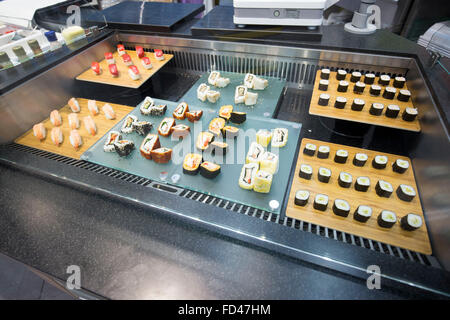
{"points": [[406, 193], [324, 99], [360, 159], [324, 175], [113, 136], [341, 156], [263, 182], [362, 213], [247, 176], [55, 118], [342, 86], [202, 90], [133, 72], [161, 155], [345, 179], [310, 149], [158, 110], [90, 126], [240, 94], [216, 125], [219, 148], [238, 117], [75, 139], [222, 82], [384, 189], [358, 104], [180, 131], [384, 80], [180, 111], [376, 109], [269, 162], [150, 142], [225, 112], [57, 136], [142, 127], [203, 140], [323, 85], [127, 126], [355, 77], [74, 105], [113, 70], [340, 102], [146, 106], [279, 137], [230, 132], [260, 83], [92, 107], [411, 222], [306, 171], [375, 90], [321, 202], [249, 80], [369, 78], [213, 76], [121, 49], [159, 55], [127, 60], [263, 137], [386, 219], [191, 163], [123, 147], [392, 111], [109, 58], [109, 111], [212, 96], [146, 63], [341, 74], [193, 116], [209, 169], [362, 184], [255, 153], [165, 127], [400, 166], [409, 114], [325, 73], [389, 93], [301, 198], [379, 162], [399, 82], [140, 52], [323, 152], [250, 98], [74, 122], [39, 131], [404, 95], [359, 87], [341, 208]]}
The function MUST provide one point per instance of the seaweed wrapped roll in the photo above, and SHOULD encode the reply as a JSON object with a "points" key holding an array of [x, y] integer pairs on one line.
{"points": [[409, 114], [325, 73], [387, 219], [375, 90], [209, 169], [389, 93], [384, 80], [362, 184], [376, 109], [384, 189], [341, 74], [191, 163], [225, 111], [341, 208], [355, 77], [340, 102], [324, 174], [399, 82], [392, 111], [342, 86], [203, 140], [345, 179], [323, 99], [379, 162], [369, 78], [358, 104], [321, 202], [359, 87], [123, 147], [323, 152], [216, 125], [400, 165], [305, 171], [301, 197], [310, 149], [362, 213], [341, 156], [238, 117], [406, 193], [360, 159], [323, 85], [411, 222]]}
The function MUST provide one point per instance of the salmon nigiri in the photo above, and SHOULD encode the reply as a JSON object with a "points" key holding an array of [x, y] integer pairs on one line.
{"points": [[74, 105], [92, 106], [56, 135], [39, 131], [90, 126], [75, 139], [55, 118], [109, 111], [74, 122]]}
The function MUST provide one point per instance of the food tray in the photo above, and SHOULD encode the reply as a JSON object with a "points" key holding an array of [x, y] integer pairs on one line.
{"points": [[362, 116], [66, 149], [225, 185], [124, 80], [417, 240]]}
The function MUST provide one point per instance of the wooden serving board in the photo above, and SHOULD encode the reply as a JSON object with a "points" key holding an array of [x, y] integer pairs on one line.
{"points": [[362, 116], [124, 80], [66, 149], [417, 240]]}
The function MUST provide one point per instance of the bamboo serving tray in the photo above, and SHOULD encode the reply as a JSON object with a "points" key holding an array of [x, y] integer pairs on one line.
{"points": [[362, 116], [124, 80], [417, 240], [66, 149]]}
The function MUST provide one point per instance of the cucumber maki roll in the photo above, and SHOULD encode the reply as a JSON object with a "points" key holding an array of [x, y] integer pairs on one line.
{"points": [[379, 162], [324, 99], [369, 78], [399, 82], [404, 95], [362, 213], [310, 149], [358, 104], [124, 147], [411, 222], [342, 86], [392, 111], [209, 169], [384, 80], [386, 219], [400, 166], [324, 175], [406, 193], [341, 208], [301, 198], [321, 202], [360, 159], [384, 189], [355, 77], [359, 87], [341, 156], [341, 74], [325, 73], [345, 180], [142, 127], [340, 102], [389, 93], [409, 114], [375, 90], [323, 152], [376, 109], [323, 85], [362, 184], [305, 171]]}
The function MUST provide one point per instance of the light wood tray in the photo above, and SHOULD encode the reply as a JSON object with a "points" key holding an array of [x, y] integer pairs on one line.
{"points": [[124, 80], [413, 240], [362, 116], [66, 149]]}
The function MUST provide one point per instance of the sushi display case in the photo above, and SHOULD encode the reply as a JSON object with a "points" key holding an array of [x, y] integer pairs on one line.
{"points": [[139, 169]]}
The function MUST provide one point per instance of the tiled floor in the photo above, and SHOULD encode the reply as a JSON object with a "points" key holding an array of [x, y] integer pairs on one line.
{"points": [[19, 282]]}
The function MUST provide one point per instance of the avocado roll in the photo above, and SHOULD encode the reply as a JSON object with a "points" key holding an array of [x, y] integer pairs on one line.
{"points": [[209, 169], [219, 148], [310, 149], [400, 165], [158, 110], [305, 171], [379, 162], [165, 127], [324, 174], [279, 137], [384, 189], [358, 104], [323, 152], [404, 95], [399, 82], [191, 163], [203, 140], [360, 159], [269, 162], [301, 197], [180, 131], [230, 132], [359, 87], [375, 90], [384, 80], [355, 77], [263, 137], [321, 202], [389, 93], [342, 86], [341, 74], [341, 156], [392, 111], [369, 78], [362, 213], [193, 116], [376, 109], [113, 136], [127, 126], [263, 182], [345, 179], [180, 111], [325, 73], [323, 85], [146, 106], [123, 147], [387, 219], [409, 114], [341, 208], [362, 184], [216, 125], [150, 142], [340, 102], [225, 112], [255, 153], [142, 127], [247, 176], [161, 155], [238, 117], [411, 222], [406, 193]]}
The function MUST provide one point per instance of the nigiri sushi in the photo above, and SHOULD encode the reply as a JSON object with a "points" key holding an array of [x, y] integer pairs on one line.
{"points": [[159, 55], [56, 135], [146, 63], [109, 111], [92, 106], [55, 118], [121, 49], [109, 58], [133, 72], [113, 70], [95, 66], [127, 59], [39, 131], [140, 52], [75, 139], [74, 122], [90, 126], [74, 105]]}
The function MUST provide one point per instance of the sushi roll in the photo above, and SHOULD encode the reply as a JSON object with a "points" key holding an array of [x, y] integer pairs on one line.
{"points": [[39, 131], [161, 155], [369, 78], [113, 70], [411, 222], [238, 117], [341, 208], [127, 60], [158, 110], [202, 90], [74, 105], [384, 189], [399, 82], [123, 147], [324, 175], [239, 94], [341, 156], [219, 148], [191, 163], [254, 153], [92, 107], [90, 126], [247, 176], [355, 77], [55, 118], [213, 76], [400, 166], [324, 99], [387, 219], [323, 152], [384, 80], [212, 96], [121, 49], [75, 139], [142, 127], [406, 193], [358, 104], [74, 122], [362, 184], [127, 126], [165, 127], [409, 114], [342, 86], [323, 85], [180, 111], [362, 213], [404, 95], [250, 98], [193, 116], [109, 111], [113, 136], [375, 90], [325, 73], [392, 111], [260, 83], [389, 93], [146, 63], [222, 82], [360, 159], [310, 149], [56, 135], [340, 102], [146, 106], [279, 137], [180, 131], [359, 87], [159, 55], [140, 52], [345, 179], [306, 171], [134, 73], [216, 125], [225, 111], [263, 137], [230, 132], [263, 182], [301, 198], [203, 140], [376, 109], [95, 67], [249, 80], [379, 162], [209, 169], [269, 162], [321, 202], [341, 74], [109, 58]]}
